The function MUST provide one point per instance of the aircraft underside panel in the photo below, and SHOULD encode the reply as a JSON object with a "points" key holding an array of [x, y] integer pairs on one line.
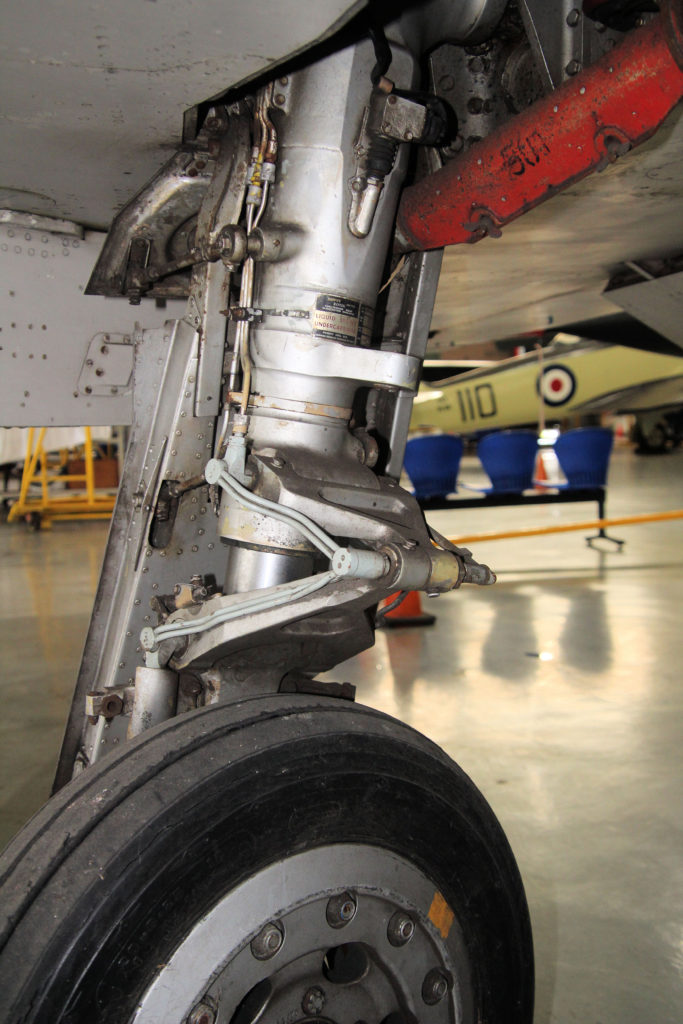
{"points": [[94, 94], [65, 359]]}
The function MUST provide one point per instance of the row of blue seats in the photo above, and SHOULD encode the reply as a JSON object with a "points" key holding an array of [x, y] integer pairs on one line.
{"points": [[509, 456]]}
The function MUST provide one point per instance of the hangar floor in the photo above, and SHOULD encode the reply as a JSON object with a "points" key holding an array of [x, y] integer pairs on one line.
{"points": [[558, 691]]}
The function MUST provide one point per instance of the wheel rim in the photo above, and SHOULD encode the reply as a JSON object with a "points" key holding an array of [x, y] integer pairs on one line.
{"points": [[343, 932]]}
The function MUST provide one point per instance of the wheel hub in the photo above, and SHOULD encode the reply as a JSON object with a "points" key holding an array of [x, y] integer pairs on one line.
{"points": [[314, 952]]}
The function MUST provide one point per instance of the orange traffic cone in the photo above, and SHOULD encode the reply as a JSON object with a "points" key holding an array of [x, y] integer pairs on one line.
{"points": [[407, 613], [540, 475]]}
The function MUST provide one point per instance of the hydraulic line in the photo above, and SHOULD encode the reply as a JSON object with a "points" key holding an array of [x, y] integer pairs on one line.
{"points": [[346, 562], [260, 601], [216, 473], [261, 174]]}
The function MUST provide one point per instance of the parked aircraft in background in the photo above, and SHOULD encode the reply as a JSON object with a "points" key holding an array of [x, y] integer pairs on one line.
{"points": [[566, 379]]}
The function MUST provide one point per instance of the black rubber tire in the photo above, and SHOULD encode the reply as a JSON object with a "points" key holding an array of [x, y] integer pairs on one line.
{"points": [[656, 442], [112, 873]]}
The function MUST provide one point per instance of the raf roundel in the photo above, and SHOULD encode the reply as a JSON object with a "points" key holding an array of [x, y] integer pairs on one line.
{"points": [[556, 385]]}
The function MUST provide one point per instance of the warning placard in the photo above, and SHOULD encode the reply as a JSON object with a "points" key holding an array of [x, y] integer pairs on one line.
{"points": [[341, 319]]}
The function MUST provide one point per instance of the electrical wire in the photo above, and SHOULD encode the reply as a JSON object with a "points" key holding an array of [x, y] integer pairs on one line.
{"points": [[383, 55], [264, 200], [384, 611]]}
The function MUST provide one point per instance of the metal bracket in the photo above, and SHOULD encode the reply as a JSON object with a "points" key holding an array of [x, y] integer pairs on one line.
{"points": [[323, 358], [396, 117], [109, 703]]}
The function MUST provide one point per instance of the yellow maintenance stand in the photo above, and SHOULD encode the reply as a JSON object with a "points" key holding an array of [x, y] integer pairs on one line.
{"points": [[52, 504]]}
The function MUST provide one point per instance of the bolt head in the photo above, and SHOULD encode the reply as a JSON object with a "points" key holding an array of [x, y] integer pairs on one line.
{"points": [[268, 941], [202, 1014], [314, 1001], [400, 929], [341, 910], [434, 987]]}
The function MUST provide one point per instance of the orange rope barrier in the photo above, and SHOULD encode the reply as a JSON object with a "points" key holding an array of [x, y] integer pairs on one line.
{"points": [[593, 524]]}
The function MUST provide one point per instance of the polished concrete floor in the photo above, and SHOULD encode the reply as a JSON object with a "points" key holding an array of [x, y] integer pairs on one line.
{"points": [[559, 691]]}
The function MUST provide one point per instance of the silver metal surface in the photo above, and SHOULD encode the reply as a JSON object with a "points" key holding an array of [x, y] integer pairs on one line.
{"points": [[160, 218], [249, 568], [302, 351], [657, 303], [328, 359], [108, 366], [563, 39], [216, 961], [437, 21], [331, 268], [168, 442], [49, 329], [210, 292], [34, 222], [263, 630], [94, 95], [412, 319], [156, 697], [157, 539]]}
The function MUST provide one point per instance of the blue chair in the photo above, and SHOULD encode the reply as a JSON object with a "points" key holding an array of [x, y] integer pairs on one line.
{"points": [[584, 455], [509, 457], [432, 463]]}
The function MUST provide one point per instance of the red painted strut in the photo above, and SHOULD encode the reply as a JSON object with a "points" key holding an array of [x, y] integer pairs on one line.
{"points": [[588, 122]]}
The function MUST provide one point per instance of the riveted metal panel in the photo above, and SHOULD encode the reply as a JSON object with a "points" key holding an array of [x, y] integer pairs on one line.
{"points": [[49, 330]]}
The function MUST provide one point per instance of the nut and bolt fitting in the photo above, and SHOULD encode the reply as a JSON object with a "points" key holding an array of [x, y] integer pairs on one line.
{"points": [[313, 1002], [574, 17], [202, 1014], [573, 67], [268, 941], [341, 910], [434, 987], [400, 929]]}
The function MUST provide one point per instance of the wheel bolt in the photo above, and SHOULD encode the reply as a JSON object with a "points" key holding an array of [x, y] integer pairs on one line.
{"points": [[314, 1001], [341, 910], [202, 1014], [400, 929], [267, 942], [434, 987]]}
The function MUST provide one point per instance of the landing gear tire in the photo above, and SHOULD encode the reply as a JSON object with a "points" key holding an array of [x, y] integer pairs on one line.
{"points": [[283, 859], [653, 441]]}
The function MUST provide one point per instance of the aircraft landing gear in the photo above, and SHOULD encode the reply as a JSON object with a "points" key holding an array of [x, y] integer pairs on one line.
{"points": [[284, 858], [266, 854]]}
